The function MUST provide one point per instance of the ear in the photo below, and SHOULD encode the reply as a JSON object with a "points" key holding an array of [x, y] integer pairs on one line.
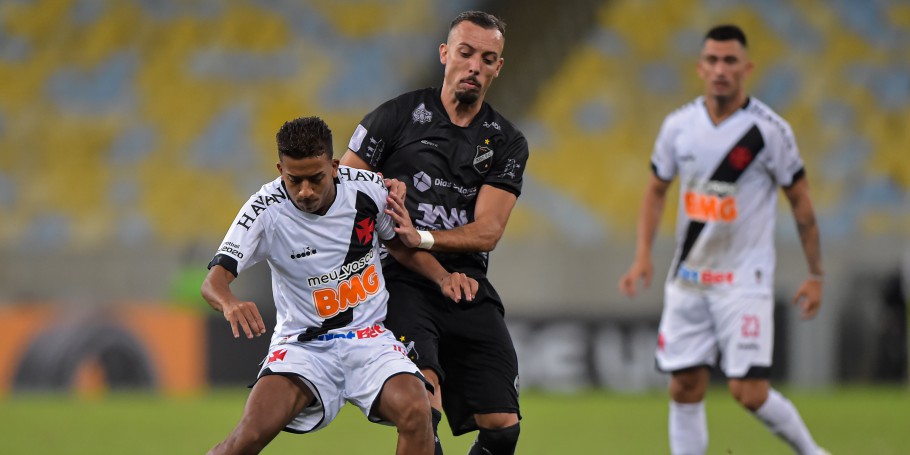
{"points": [[443, 49], [749, 67], [278, 165], [499, 67], [335, 167]]}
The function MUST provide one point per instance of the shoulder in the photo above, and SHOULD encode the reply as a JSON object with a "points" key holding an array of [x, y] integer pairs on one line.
{"points": [[685, 112], [768, 120], [493, 119], [360, 179]]}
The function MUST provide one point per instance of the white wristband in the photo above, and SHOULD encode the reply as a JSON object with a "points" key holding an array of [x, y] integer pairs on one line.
{"points": [[426, 240]]}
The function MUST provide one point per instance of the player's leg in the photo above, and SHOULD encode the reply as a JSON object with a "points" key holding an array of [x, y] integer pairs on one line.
{"points": [[774, 410], [686, 348], [403, 401], [688, 422], [435, 397], [411, 318], [274, 401], [747, 340], [481, 367]]}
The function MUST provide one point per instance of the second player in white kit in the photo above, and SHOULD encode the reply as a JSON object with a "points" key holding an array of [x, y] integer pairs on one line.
{"points": [[731, 154]]}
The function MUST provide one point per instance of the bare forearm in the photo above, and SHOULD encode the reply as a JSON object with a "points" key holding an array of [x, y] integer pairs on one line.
{"points": [[216, 288], [648, 221], [417, 261], [469, 238], [810, 238]]}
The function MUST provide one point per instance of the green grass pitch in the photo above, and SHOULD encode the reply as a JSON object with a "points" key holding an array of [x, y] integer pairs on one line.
{"points": [[845, 420]]}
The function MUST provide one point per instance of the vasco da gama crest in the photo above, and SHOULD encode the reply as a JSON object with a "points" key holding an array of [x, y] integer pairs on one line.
{"points": [[483, 159]]}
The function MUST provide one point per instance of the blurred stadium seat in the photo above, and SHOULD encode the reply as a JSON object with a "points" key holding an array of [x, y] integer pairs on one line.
{"points": [[837, 71]]}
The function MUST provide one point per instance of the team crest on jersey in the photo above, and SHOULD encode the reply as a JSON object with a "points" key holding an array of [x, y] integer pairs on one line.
{"points": [[483, 159], [421, 114], [740, 157], [364, 229]]}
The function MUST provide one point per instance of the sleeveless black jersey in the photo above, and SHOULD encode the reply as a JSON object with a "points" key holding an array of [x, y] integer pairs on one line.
{"points": [[411, 138]]}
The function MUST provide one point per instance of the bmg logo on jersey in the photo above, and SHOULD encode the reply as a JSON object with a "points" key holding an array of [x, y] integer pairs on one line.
{"points": [[348, 293], [709, 207]]}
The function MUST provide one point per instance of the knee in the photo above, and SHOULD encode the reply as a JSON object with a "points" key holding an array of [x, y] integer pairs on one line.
{"points": [[414, 415], [750, 394], [501, 441], [688, 387]]}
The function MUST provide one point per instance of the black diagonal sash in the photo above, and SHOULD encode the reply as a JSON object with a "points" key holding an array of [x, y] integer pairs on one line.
{"points": [[359, 245], [729, 170]]}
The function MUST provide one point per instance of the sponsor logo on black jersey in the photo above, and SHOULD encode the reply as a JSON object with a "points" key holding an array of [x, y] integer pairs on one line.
{"points": [[374, 150], [483, 159], [303, 254], [422, 181], [421, 114], [511, 168], [492, 125]]}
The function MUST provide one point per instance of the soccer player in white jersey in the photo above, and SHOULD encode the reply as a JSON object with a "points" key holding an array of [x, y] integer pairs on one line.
{"points": [[318, 225], [731, 152]]}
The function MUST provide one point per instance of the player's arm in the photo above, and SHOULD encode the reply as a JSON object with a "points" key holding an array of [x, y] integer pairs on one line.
{"points": [[652, 209], [809, 295], [351, 159], [453, 285], [216, 290], [491, 213]]}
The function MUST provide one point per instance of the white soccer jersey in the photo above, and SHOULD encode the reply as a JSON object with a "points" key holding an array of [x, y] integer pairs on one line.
{"points": [[326, 273], [729, 174]]}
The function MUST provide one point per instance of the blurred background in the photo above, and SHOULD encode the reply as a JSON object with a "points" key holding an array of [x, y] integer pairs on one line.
{"points": [[132, 131]]}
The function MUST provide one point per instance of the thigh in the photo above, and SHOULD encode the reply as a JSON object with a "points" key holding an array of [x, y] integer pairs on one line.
{"points": [[411, 316], [315, 365], [686, 336], [369, 364], [274, 402], [745, 326], [481, 365]]}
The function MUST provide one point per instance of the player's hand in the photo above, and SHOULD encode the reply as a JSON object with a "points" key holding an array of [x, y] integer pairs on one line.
{"points": [[455, 285], [809, 298], [642, 269], [244, 315], [395, 187], [403, 227]]}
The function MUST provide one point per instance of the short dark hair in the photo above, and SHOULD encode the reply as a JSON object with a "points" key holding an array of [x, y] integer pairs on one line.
{"points": [[483, 19], [726, 32], [304, 137]]}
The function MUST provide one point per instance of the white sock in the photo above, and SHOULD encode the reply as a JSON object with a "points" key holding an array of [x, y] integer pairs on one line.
{"points": [[688, 428], [782, 418]]}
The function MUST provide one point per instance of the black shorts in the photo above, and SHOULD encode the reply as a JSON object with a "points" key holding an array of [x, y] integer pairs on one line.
{"points": [[467, 344]]}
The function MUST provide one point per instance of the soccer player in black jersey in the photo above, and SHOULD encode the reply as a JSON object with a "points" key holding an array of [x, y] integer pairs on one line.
{"points": [[463, 163]]}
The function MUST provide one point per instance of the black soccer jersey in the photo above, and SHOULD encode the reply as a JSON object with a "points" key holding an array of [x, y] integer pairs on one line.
{"points": [[411, 138]]}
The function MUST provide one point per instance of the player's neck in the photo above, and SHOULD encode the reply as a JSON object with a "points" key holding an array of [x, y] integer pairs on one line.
{"points": [[460, 114], [721, 108]]}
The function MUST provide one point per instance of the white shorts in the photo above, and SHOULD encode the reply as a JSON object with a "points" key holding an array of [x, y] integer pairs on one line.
{"points": [[340, 366], [696, 325]]}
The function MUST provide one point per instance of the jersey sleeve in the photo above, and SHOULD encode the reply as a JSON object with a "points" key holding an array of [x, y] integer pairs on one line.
{"points": [[375, 135], [243, 245], [784, 162], [508, 168], [385, 226], [663, 157]]}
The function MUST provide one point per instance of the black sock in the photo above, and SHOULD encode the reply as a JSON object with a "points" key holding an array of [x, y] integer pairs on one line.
{"points": [[437, 416], [496, 442]]}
